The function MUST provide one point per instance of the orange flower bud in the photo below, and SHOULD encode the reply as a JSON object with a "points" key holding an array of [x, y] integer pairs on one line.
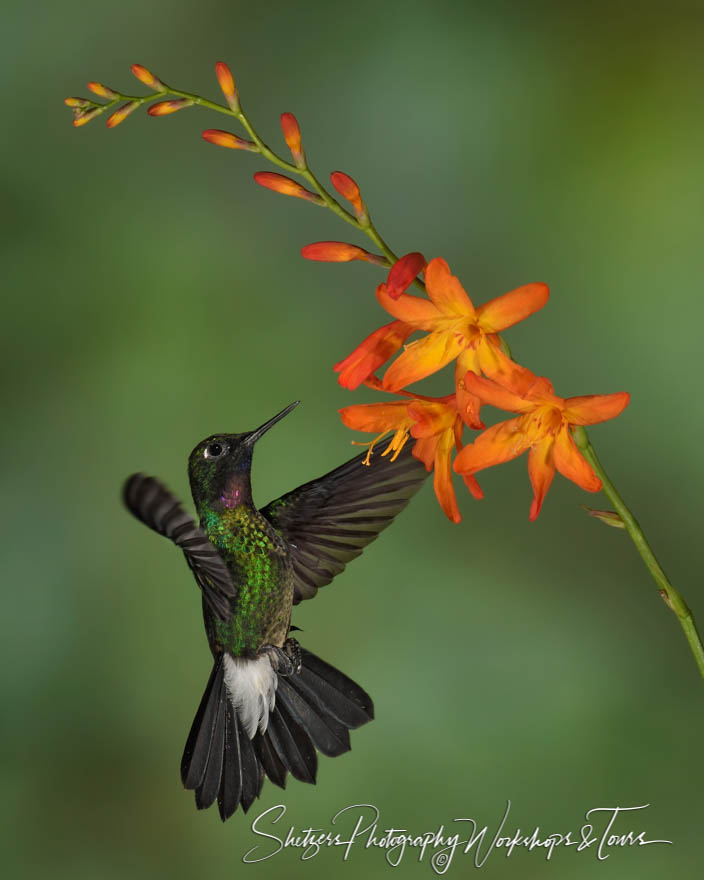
{"points": [[227, 85], [286, 186], [83, 116], [348, 189], [403, 273], [78, 103], [99, 89], [227, 139], [148, 78], [163, 108], [292, 136], [338, 252], [121, 114]]}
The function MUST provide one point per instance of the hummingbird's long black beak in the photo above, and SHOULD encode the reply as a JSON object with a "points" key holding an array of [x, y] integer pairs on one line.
{"points": [[255, 435]]}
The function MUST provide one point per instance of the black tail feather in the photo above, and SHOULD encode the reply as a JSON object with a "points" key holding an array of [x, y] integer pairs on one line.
{"points": [[270, 760], [292, 745], [314, 709], [197, 750], [231, 786]]}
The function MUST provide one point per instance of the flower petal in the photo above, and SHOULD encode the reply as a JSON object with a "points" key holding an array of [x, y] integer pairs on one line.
{"points": [[468, 404], [431, 416], [376, 417], [445, 290], [593, 408], [571, 464], [421, 359], [496, 445], [512, 307], [370, 354], [415, 310], [442, 478], [541, 470], [473, 486], [496, 395], [424, 450]]}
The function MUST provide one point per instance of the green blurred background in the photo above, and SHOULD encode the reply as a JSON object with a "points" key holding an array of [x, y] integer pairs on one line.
{"points": [[154, 294]]}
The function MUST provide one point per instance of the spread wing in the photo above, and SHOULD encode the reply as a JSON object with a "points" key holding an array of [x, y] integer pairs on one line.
{"points": [[329, 521], [156, 507]]}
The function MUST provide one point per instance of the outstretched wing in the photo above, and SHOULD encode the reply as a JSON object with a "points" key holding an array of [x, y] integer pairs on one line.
{"points": [[329, 521], [156, 507]]}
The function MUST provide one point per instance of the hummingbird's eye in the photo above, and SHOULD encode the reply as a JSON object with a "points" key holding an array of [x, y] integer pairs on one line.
{"points": [[214, 450]]}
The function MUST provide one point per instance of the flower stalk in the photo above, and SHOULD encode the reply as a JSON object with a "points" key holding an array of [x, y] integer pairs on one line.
{"points": [[671, 596]]}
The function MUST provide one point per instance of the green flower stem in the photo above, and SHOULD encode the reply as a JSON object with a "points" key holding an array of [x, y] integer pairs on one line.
{"points": [[672, 598], [363, 224]]}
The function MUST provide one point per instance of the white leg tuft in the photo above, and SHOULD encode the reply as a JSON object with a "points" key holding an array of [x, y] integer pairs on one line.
{"points": [[251, 686]]}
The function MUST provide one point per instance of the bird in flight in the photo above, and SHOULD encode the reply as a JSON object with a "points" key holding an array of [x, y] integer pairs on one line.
{"points": [[269, 704]]}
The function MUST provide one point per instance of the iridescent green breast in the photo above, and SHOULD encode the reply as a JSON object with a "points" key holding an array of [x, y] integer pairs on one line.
{"points": [[261, 571]]}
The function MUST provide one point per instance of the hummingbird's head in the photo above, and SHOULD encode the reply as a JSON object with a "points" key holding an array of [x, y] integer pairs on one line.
{"points": [[219, 466]]}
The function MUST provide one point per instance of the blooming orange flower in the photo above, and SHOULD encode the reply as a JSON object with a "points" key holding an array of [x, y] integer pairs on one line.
{"points": [[437, 428], [457, 330], [543, 427]]}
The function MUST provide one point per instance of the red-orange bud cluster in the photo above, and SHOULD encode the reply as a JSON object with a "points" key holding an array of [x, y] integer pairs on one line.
{"points": [[163, 108], [121, 114], [292, 136], [227, 85], [339, 252], [148, 78], [287, 187], [227, 139], [403, 272], [348, 189]]}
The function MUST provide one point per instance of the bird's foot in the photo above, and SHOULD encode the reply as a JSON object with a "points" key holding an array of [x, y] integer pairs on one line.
{"points": [[287, 660]]}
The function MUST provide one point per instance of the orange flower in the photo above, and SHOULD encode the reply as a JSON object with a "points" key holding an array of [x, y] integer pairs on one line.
{"points": [[437, 428], [543, 427], [456, 331]]}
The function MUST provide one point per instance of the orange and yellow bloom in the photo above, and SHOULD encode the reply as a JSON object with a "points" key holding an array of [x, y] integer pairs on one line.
{"points": [[435, 425], [542, 428], [456, 331]]}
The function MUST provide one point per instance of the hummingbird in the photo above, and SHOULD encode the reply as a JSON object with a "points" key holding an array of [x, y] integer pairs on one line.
{"points": [[269, 704]]}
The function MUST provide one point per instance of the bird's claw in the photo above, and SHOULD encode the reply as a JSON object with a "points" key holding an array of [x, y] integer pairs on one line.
{"points": [[287, 660]]}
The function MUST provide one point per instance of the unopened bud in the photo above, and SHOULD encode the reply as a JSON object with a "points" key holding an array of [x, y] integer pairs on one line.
{"points": [[287, 187], [121, 114], [403, 272], [227, 139], [349, 190], [148, 78], [104, 92], [292, 136], [339, 252], [609, 517], [163, 108], [227, 85]]}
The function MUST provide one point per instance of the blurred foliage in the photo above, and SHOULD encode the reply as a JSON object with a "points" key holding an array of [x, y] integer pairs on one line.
{"points": [[154, 295]]}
